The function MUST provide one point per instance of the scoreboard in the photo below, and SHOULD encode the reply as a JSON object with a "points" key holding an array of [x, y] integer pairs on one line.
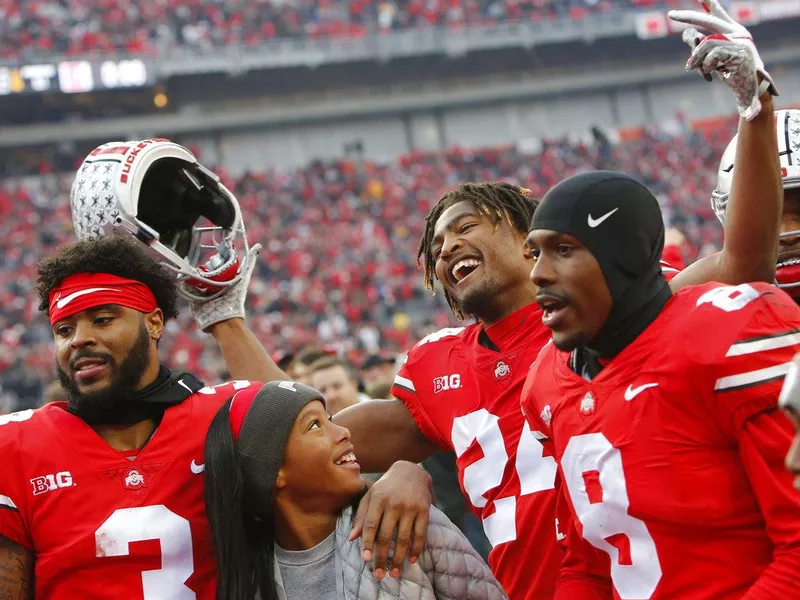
{"points": [[74, 76]]}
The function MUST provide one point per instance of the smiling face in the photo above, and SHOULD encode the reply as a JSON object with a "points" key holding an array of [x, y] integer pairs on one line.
{"points": [[105, 353], [480, 262], [319, 468], [572, 290]]}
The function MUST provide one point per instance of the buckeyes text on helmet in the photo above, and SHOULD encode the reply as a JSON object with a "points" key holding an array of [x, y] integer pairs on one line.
{"points": [[156, 191]]}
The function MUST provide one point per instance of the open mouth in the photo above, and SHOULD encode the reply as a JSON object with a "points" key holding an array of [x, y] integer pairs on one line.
{"points": [[87, 368], [347, 460], [552, 310], [464, 268]]}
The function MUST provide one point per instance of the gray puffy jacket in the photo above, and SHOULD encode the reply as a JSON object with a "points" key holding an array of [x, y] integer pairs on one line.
{"points": [[448, 568]]}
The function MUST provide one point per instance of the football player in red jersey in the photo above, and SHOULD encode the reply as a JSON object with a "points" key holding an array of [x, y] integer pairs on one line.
{"points": [[787, 131], [88, 493], [135, 528], [103, 495], [459, 388], [661, 408]]}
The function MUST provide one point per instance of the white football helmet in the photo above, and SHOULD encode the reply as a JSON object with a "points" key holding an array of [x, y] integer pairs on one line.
{"points": [[156, 191], [787, 129]]}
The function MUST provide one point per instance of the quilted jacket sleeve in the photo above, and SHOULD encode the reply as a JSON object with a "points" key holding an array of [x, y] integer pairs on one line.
{"points": [[456, 570]]}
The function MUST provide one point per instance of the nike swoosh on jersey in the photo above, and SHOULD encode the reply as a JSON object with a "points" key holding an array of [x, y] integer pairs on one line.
{"points": [[595, 222], [632, 392], [197, 469], [67, 299]]}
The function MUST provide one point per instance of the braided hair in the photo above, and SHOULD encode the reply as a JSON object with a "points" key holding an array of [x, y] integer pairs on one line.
{"points": [[496, 200]]}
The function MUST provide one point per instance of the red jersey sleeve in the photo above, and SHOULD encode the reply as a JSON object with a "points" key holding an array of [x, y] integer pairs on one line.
{"points": [[748, 373], [763, 444], [405, 390], [13, 493]]}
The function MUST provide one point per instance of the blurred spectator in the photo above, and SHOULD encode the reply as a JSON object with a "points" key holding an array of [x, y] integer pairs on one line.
{"points": [[378, 390], [146, 27], [377, 373], [338, 270], [8, 402], [300, 367], [337, 380], [674, 245], [283, 359]]}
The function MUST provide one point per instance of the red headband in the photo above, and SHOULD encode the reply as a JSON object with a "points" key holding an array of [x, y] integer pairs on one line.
{"points": [[240, 404], [87, 290]]}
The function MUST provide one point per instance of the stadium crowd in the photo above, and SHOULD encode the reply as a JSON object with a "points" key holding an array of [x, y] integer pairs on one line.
{"points": [[601, 413], [104, 26], [356, 288]]}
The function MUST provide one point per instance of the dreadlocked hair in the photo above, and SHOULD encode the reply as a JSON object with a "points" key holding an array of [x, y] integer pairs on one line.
{"points": [[496, 200], [116, 255]]}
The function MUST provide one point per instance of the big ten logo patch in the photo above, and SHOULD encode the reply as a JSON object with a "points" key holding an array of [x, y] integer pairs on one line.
{"points": [[446, 382], [50, 483]]}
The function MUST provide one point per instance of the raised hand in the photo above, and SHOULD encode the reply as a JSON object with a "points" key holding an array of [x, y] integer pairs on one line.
{"points": [[728, 50]]}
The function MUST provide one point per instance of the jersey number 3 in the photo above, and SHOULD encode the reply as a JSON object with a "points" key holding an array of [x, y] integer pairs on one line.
{"points": [[143, 523]]}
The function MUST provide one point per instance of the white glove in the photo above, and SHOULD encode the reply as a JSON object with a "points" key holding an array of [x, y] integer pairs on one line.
{"points": [[230, 304], [729, 50]]}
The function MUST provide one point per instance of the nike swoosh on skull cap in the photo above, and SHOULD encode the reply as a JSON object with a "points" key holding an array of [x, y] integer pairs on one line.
{"points": [[67, 299], [595, 222]]}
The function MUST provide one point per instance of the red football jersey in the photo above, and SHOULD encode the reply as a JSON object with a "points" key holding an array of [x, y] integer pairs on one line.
{"points": [[102, 525], [465, 397], [649, 450]]}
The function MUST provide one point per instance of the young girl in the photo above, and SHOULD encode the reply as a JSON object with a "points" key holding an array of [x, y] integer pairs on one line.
{"points": [[281, 480]]}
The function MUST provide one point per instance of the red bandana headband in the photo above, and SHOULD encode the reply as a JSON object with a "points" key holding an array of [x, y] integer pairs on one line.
{"points": [[240, 404], [87, 290]]}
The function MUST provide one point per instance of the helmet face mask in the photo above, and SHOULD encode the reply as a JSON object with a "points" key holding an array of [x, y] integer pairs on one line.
{"points": [[156, 191], [787, 130]]}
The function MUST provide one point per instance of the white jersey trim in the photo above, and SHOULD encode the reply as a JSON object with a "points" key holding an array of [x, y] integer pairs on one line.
{"points": [[7, 502], [405, 383], [752, 377], [768, 343]]}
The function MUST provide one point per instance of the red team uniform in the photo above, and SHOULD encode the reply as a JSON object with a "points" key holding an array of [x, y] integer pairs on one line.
{"points": [[100, 524], [672, 458], [462, 386]]}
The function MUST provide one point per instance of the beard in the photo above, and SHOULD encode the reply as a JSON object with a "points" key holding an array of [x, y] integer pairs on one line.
{"points": [[479, 302], [125, 379]]}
